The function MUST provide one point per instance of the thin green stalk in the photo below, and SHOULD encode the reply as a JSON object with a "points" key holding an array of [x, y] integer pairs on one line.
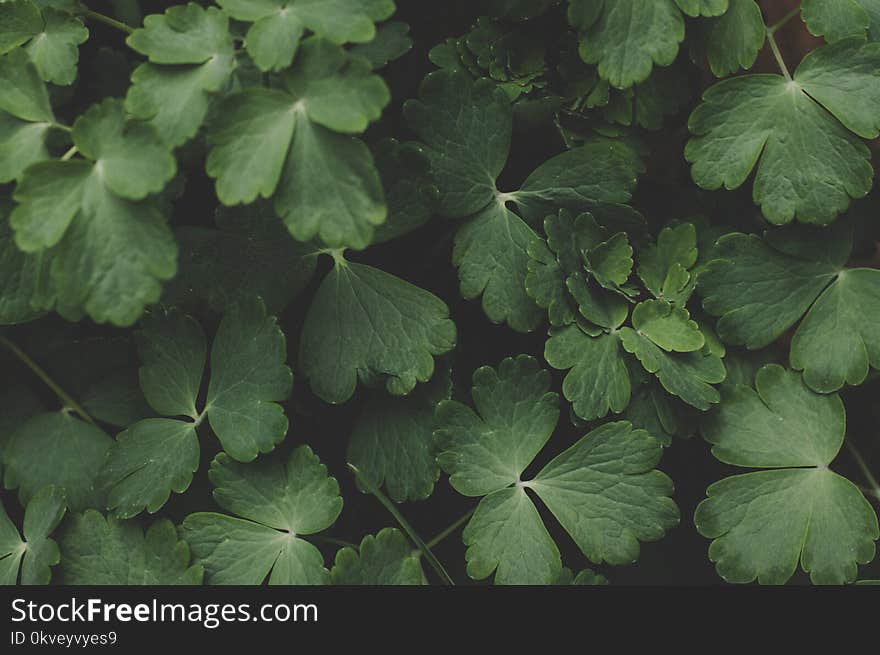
{"points": [[416, 539], [61, 126], [70, 153], [65, 397], [778, 55], [778, 25], [873, 485], [452, 528], [112, 22]]}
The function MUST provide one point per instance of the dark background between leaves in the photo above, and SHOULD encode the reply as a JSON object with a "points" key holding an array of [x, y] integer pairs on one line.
{"points": [[424, 258]]}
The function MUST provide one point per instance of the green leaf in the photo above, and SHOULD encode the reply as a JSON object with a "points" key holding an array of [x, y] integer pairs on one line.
{"points": [[410, 192], [598, 381], [663, 266], [157, 456], [839, 338], [610, 262], [466, 128], [278, 503], [695, 8], [55, 448], [516, 414], [491, 253], [626, 38], [391, 440], [111, 253], [29, 561], [249, 378], [54, 49], [116, 399], [667, 326], [290, 141], [606, 494], [151, 459], [191, 58], [605, 500], [172, 351], [25, 292], [760, 292], [599, 306], [689, 376], [128, 158], [366, 324], [278, 25], [550, 264], [799, 134], [392, 41], [763, 523], [17, 404], [657, 413], [184, 34], [506, 535], [20, 20], [99, 551], [545, 284], [386, 559], [24, 93], [732, 41], [250, 254], [25, 116], [757, 291], [836, 19], [598, 177]]}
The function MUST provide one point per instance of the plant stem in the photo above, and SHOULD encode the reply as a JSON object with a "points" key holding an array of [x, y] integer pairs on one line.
{"points": [[66, 399], [416, 539], [112, 22], [874, 486], [70, 153], [778, 55], [775, 27], [452, 528], [62, 127]]}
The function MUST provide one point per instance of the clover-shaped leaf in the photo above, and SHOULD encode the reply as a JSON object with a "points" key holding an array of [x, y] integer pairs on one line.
{"points": [[760, 288], [28, 561], [607, 503], [293, 135], [275, 505], [798, 510], [804, 135], [157, 456]]}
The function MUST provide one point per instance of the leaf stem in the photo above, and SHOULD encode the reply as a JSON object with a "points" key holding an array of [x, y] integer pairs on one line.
{"points": [[101, 18], [452, 528], [62, 127], [874, 486], [778, 55], [416, 539], [778, 25], [66, 398], [70, 153]]}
